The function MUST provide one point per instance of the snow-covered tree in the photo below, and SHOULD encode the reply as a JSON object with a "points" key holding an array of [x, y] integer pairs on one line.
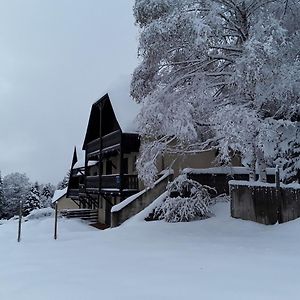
{"points": [[187, 200], [32, 200], [2, 199], [46, 195], [16, 187], [202, 60], [287, 151], [64, 183]]}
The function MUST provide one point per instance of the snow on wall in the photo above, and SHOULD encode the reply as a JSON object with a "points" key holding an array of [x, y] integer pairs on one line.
{"points": [[295, 186], [130, 199], [224, 170]]}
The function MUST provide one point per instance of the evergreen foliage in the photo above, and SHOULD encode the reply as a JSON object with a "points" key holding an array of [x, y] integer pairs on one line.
{"points": [[64, 183], [2, 199], [46, 195], [32, 200]]}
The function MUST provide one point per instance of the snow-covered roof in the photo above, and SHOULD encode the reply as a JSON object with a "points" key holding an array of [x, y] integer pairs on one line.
{"points": [[80, 160], [59, 194], [125, 108], [80, 163]]}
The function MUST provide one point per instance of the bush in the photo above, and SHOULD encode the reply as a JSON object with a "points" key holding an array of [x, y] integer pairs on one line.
{"points": [[187, 200], [40, 213]]}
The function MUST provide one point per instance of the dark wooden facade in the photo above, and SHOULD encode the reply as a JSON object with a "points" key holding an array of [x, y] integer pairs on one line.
{"points": [[105, 175]]}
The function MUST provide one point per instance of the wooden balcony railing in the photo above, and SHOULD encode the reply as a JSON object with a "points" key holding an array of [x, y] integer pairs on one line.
{"points": [[111, 139], [73, 193], [93, 146], [130, 182]]}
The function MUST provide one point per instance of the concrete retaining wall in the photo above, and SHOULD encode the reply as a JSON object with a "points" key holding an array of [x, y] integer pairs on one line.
{"points": [[138, 202]]}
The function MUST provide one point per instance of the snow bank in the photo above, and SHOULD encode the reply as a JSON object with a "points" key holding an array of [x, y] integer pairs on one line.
{"points": [[217, 258], [40, 213]]}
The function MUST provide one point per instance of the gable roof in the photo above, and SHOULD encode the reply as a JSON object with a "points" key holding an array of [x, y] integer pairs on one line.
{"points": [[58, 194], [124, 109]]}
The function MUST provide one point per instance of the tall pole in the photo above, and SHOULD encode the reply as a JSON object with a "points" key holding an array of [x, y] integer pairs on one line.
{"points": [[55, 222], [20, 221]]}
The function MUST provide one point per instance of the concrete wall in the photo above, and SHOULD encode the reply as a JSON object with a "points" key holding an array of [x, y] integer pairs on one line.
{"points": [[66, 203], [139, 203], [205, 159], [105, 206]]}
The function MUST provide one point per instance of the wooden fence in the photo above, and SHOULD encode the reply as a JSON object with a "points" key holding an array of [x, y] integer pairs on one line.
{"points": [[264, 204], [218, 178]]}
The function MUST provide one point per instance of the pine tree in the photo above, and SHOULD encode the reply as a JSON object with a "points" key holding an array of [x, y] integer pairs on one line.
{"points": [[64, 183], [289, 158], [32, 200], [2, 199], [291, 167], [46, 195]]}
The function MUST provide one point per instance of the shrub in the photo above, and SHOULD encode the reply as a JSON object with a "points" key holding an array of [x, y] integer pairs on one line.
{"points": [[187, 200]]}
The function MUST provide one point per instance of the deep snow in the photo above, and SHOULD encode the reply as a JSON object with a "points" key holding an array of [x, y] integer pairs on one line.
{"points": [[217, 258]]}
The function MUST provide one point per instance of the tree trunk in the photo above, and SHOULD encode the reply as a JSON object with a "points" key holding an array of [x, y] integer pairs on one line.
{"points": [[261, 165], [252, 175]]}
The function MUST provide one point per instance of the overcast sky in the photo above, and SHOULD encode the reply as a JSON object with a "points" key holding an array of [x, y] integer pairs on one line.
{"points": [[56, 58]]}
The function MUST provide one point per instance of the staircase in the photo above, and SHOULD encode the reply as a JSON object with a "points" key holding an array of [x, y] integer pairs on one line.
{"points": [[88, 215]]}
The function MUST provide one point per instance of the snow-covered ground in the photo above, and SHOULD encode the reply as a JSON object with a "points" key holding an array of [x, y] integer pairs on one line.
{"points": [[217, 258]]}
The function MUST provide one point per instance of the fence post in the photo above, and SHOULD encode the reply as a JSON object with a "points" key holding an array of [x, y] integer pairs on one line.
{"points": [[20, 221], [278, 195], [277, 178], [55, 221]]}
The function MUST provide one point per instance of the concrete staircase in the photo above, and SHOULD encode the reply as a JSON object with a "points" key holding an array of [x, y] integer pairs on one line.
{"points": [[88, 215]]}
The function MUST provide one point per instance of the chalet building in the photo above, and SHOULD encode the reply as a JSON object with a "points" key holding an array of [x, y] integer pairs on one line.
{"points": [[107, 174], [111, 145]]}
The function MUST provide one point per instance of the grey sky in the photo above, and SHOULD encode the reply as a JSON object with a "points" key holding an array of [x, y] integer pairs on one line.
{"points": [[57, 57]]}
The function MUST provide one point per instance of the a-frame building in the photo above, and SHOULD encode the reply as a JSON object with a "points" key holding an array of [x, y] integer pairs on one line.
{"points": [[108, 175]]}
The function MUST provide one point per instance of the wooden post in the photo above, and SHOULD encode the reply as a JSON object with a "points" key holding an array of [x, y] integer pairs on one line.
{"points": [[55, 221], [277, 178], [20, 221]]}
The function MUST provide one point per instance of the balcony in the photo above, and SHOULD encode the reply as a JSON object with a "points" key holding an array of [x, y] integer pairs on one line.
{"points": [[112, 182], [110, 141], [93, 146], [73, 193]]}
